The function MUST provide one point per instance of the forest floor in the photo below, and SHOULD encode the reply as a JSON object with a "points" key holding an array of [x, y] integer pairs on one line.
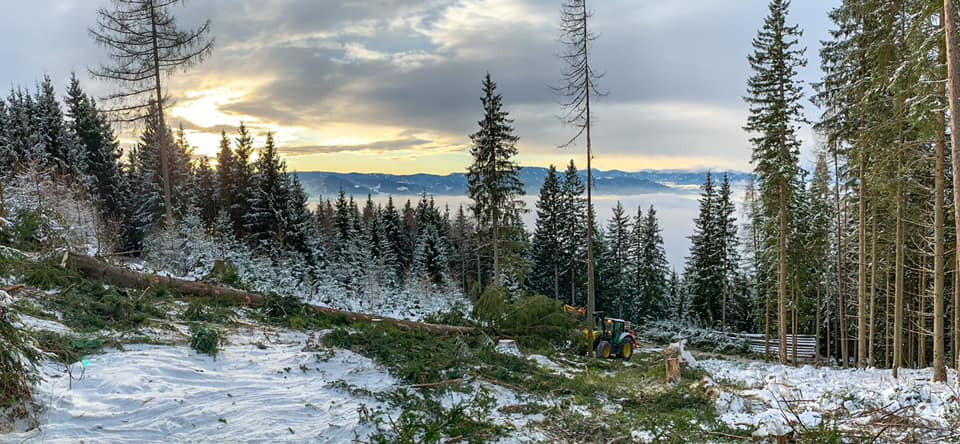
{"points": [[131, 366]]}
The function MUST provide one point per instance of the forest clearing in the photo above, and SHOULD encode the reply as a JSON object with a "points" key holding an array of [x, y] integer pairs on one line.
{"points": [[318, 222]]}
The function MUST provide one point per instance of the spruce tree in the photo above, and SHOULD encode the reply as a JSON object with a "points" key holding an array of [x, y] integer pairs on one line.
{"points": [[493, 180], [616, 279], [205, 197], [99, 146], [430, 262], [651, 267], [548, 260], [774, 95], [729, 248], [462, 240], [704, 273], [300, 233], [392, 227], [60, 147], [241, 180], [266, 221], [225, 178], [573, 223]]}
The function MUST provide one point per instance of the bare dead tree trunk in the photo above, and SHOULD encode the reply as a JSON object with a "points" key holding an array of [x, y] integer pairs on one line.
{"points": [[164, 148], [591, 290]]}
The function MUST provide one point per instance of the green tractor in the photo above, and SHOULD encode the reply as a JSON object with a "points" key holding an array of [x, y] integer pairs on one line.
{"points": [[614, 338], [611, 337]]}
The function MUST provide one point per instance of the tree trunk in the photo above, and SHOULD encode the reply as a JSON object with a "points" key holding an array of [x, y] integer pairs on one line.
{"points": [[841, 309], [591, 295], [898, 298], [164, 148], [827, 324], [793, 326], [953, 81], [939, 362], [766, 325], [922, 313], [886, 324], [873, 288], [124, 277], [816, 334], [862, 267], [782, 275]]}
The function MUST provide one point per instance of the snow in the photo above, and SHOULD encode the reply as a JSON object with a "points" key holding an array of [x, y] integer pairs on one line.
{"points": [[283, 392], [5, 299], [37, 324], [780, 399], [508, 347]]}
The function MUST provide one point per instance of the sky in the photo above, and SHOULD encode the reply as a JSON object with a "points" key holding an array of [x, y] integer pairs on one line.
{"points": [[394, 86]]}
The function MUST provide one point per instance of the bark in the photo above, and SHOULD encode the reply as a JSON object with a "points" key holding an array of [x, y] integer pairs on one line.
{"points": [[766, 326], [939, 365], [873, 288], [793, 326], [862, 267], [921, 314], [124, 277], [164, 161], [841, 310], [828, 338], [816, 334], [898, 298], [886, 324], [953, 81], [591, 300], [782, 276]]}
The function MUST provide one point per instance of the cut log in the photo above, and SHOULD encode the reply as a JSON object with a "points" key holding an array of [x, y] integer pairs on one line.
{"points": [[127, 278]]}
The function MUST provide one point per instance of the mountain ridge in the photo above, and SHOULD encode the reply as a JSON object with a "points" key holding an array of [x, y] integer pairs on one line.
{"points": [[325, 183]]}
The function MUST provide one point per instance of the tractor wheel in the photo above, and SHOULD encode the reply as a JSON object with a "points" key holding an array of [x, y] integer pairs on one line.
{"points": [[626, 350], [604, 350]]}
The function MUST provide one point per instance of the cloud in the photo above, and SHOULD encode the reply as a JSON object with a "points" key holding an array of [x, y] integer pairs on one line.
{"points": [[331, 76], [379, 147]]}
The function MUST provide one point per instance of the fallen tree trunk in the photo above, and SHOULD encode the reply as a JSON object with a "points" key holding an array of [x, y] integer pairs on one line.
{"points": [[125, 277]]}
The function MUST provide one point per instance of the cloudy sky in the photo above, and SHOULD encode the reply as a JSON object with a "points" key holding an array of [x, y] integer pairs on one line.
{"points": [[394, 85]]}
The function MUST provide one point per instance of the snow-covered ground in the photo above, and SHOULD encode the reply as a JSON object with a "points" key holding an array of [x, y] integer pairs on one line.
{"points": [[779, 399], [259, 388]]}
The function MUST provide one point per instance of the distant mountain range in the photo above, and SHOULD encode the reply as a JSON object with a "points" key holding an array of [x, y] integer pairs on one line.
{"points": [[327, 184]]}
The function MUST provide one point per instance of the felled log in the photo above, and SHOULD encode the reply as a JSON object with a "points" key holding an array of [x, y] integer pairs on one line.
{"points": [[127, 278]]}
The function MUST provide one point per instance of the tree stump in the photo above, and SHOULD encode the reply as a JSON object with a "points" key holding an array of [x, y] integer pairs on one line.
{"points": [[219, 268], [671, 358]]}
